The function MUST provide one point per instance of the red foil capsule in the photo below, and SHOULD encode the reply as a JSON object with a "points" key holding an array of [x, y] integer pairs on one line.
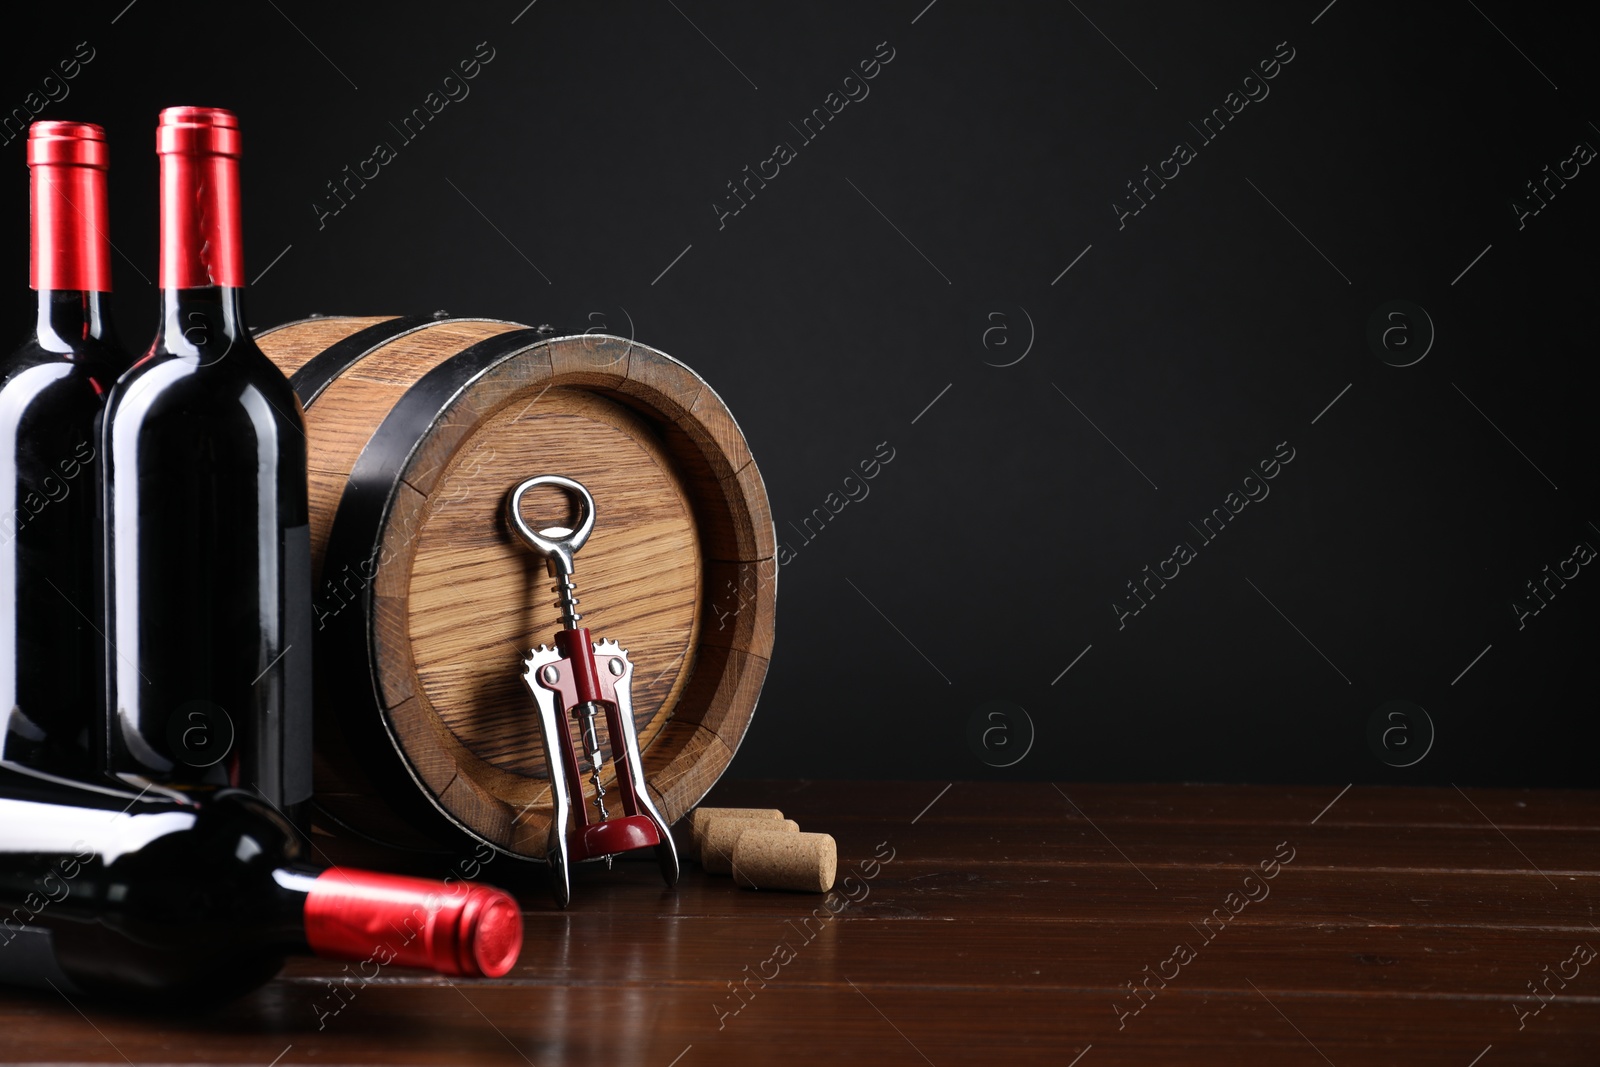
{"points": [[67, 164], [463, 929], [200, 234]]}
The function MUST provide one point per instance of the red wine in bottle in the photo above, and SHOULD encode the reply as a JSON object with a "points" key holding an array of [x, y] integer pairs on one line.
{"points": [[208, 623], [52, 392], [184, 899]]}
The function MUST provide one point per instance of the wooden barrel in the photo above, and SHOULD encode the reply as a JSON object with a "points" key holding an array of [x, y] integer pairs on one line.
{"points": [[426, 604]]}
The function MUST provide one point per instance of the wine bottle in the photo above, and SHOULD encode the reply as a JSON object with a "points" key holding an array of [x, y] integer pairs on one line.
{"points": [[208, 622], [52, 393], [184, 898]]}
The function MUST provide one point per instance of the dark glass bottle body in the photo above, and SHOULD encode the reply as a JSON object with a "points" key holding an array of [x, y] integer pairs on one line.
{"points": [[181, 900], [208, 557], [52, 392], [156, 897]]}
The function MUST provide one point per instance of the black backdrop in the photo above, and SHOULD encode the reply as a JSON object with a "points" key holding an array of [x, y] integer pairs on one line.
{"points": [[949, 270]]}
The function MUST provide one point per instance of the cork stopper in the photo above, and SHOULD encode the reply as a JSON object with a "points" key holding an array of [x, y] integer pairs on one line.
{"points": [[803, 863], [717, 844], [700, 818]]}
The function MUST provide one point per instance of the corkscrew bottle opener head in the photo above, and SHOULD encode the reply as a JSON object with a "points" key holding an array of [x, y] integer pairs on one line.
{"points": [[556, 543]]}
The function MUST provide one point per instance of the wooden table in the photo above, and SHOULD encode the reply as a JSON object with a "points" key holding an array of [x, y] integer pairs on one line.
{"points": [[1014, 923]]}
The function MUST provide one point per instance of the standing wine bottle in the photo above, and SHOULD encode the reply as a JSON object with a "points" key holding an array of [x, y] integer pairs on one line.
{"points": [[182, 901], [52, 392], [208, 549]]}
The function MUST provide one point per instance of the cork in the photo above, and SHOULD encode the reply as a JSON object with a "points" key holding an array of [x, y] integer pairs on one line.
{"points": [[716, 847], [804, 863], [700, 818]]}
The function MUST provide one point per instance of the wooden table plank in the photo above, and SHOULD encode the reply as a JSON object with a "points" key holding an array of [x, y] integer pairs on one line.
{"points": [[1216, 804], [652, 1023], [1106, 888], [1072, 841], [985, 954]]}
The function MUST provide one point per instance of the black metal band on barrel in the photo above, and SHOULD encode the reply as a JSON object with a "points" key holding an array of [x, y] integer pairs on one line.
{"points": [[324, 368], [356, 541]]}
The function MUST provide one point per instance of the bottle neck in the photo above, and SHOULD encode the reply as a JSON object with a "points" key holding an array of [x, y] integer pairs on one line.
{"points": [[203, 324], [201, 244], [202, 255], [69, 249], [462, 929], [66, 318], [295, 886]]}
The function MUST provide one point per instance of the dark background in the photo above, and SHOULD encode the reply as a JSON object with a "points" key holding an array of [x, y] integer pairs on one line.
{"points": [[918, 243]]}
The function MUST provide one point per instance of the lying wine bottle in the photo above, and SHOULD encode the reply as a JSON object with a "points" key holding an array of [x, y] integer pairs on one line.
{"points": [[181, 900], [209, 621], [52, 389]]}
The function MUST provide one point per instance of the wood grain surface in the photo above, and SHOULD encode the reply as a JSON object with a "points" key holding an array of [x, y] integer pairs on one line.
{"points": [[991, 923]]}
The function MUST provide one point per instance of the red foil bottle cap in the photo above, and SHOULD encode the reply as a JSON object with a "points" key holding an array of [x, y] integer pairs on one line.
{"points": [[67, 162], [199, 149], [464, 929]]}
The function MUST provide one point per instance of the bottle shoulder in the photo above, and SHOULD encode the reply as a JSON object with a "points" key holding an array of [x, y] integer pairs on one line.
{"points": [[231, 827], [239, 358], [239, 376], [91, 364]]}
